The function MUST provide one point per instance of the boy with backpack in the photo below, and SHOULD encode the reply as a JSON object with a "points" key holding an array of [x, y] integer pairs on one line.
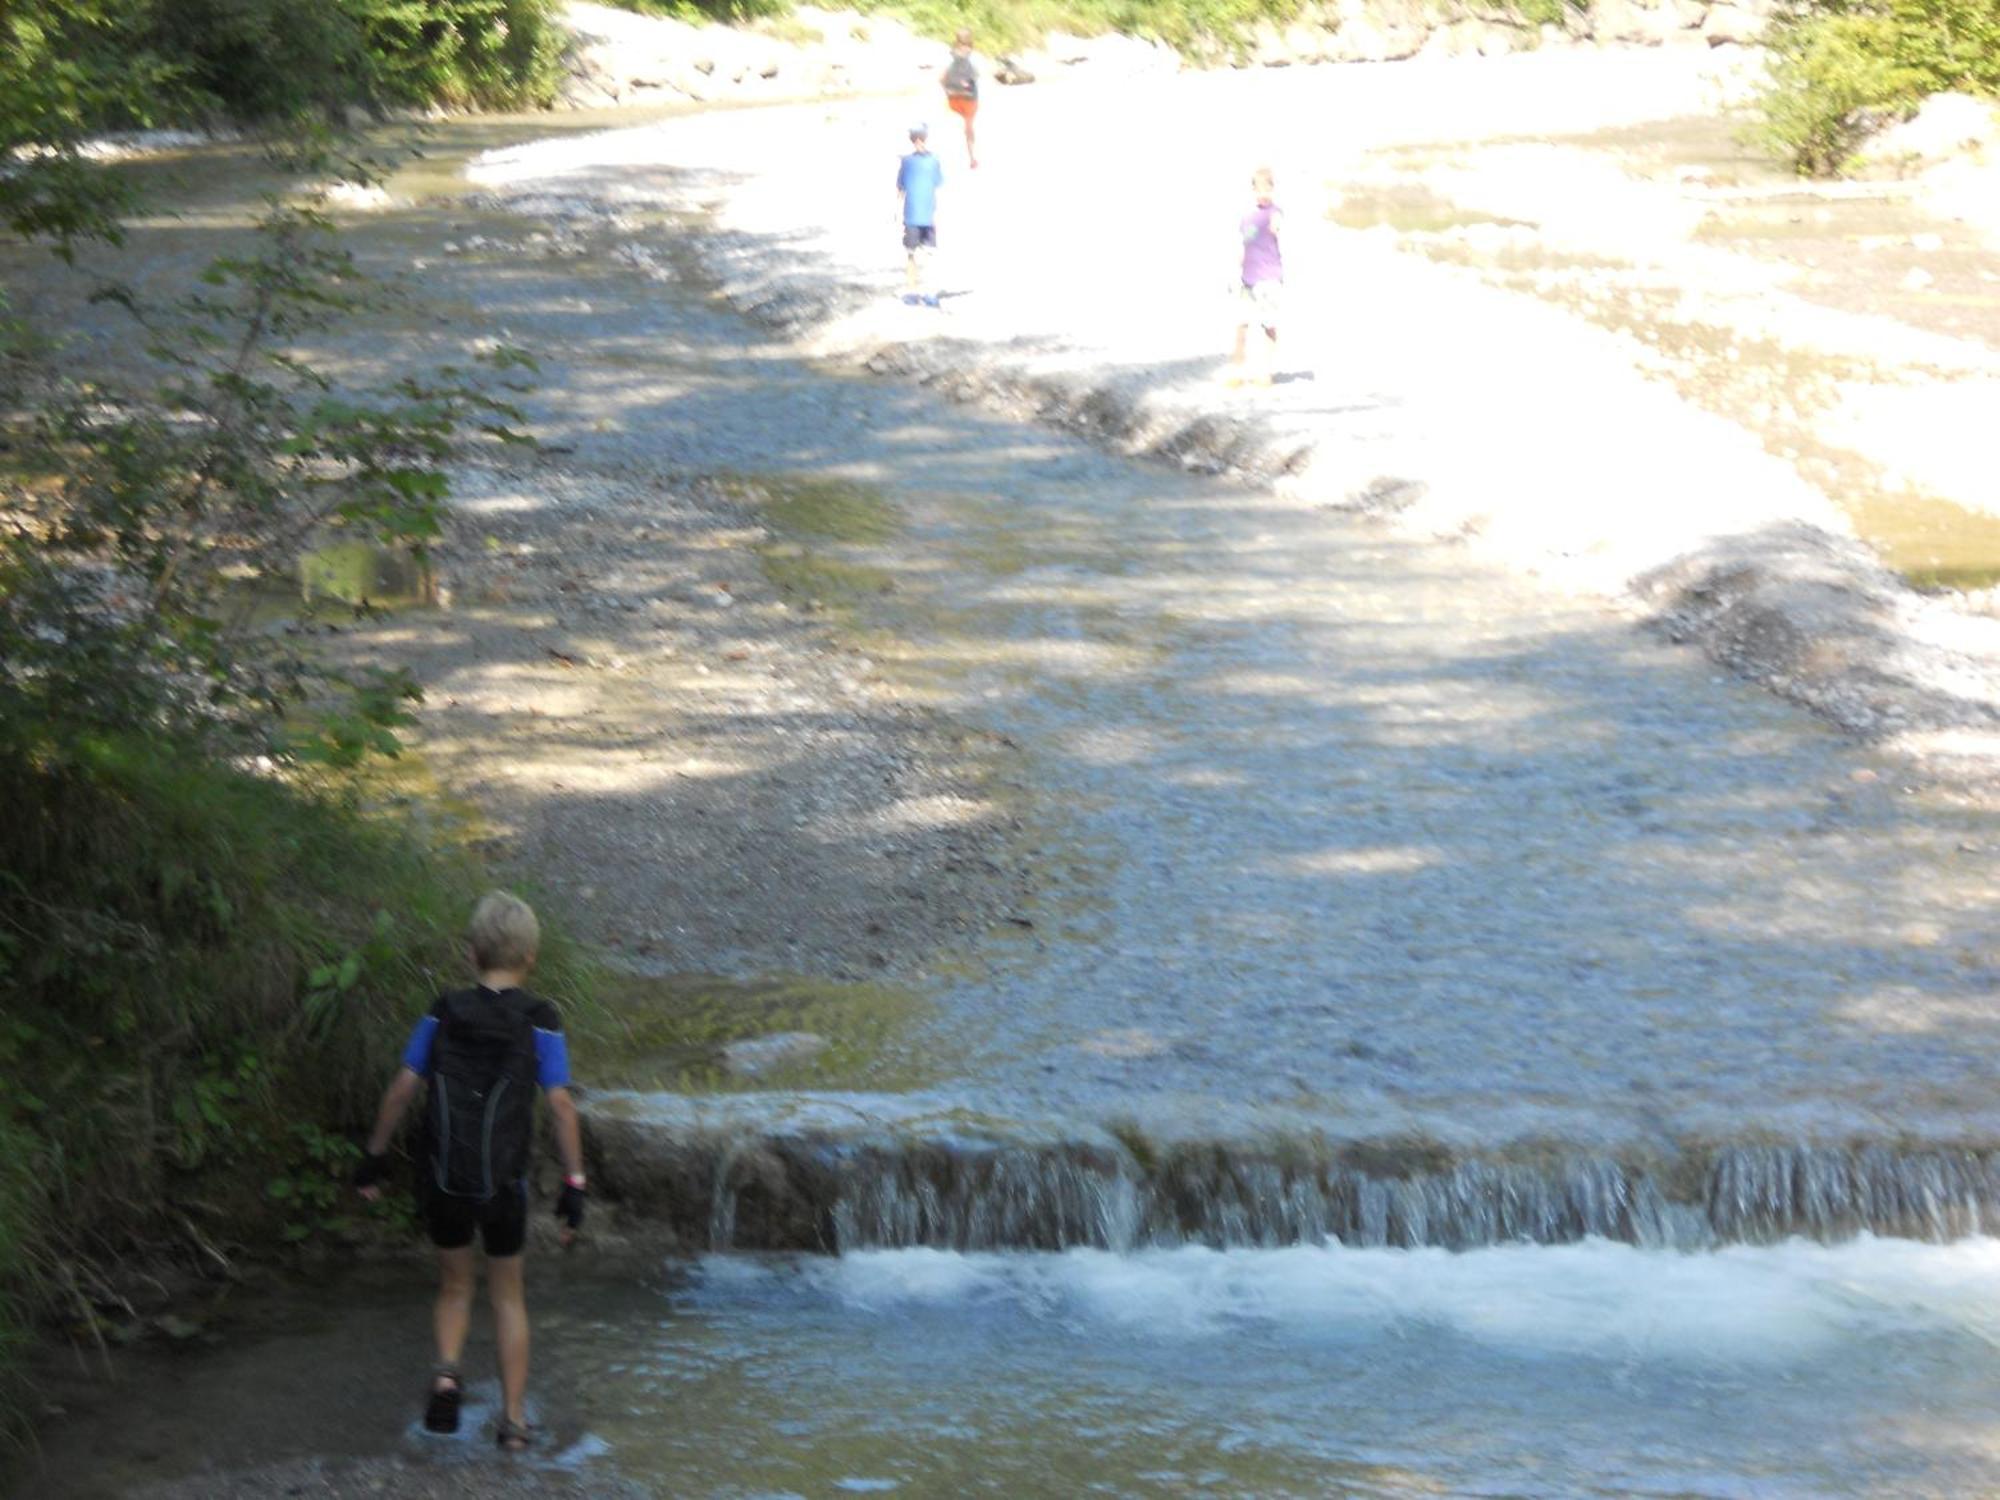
{"points": [[479, 1055]]}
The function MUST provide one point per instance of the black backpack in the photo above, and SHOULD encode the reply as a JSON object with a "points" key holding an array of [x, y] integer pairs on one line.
{"points": [[482, 1094]]}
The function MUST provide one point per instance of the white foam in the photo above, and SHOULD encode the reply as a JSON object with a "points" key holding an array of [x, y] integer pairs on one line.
{"points": [[1760, 1304]]}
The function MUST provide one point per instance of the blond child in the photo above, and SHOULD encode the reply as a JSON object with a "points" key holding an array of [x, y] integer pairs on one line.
{"points": [[478, 1056]]}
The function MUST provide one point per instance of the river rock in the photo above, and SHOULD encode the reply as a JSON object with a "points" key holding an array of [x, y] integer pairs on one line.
{"points": [[1375, 30], [766, 1054], [1732, 25], [1946, 126], [1632, 21]]}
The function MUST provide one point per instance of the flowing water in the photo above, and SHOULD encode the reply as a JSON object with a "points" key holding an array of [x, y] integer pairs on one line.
{"points": [[1463, 1047], [1593, 1369]]}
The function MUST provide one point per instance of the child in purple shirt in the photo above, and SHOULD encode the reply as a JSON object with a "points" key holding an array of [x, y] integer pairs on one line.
{"points": [[1263, 281]]}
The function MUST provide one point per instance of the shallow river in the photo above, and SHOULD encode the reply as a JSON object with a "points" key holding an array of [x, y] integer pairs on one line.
{"points": [[1332, 823], [1591, 1369], [1333, 819]]}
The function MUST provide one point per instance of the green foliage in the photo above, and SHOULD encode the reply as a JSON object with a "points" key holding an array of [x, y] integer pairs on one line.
{"points": [[1549, 12], [1836, 70], [123, 594], [66, 70], [492, 53], [73, 66], [210, 943], [207, 974], [1199, 28], [314, 1193], [727, 12], [1950, 44]]}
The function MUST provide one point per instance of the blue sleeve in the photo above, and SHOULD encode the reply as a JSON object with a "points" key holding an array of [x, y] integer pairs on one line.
{"points": [[551, 1059], [417, 1055], [903, 175]]}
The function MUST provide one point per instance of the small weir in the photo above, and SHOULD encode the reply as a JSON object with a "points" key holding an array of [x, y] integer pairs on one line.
{"points": [[825, 1191]]}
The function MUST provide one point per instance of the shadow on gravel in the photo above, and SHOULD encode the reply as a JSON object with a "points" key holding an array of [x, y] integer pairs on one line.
{"points": [[1318, 815]]}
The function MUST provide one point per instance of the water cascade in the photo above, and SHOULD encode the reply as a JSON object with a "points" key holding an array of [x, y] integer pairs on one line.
{"points": [[828, 1191]]}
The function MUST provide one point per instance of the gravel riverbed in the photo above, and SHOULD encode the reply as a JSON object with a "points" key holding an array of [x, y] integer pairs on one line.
{"points": [[1089, 293]]}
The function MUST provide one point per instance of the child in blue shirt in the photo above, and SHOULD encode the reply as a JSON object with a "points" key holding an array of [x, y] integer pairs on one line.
{"points": [[476, 1050], [917, 181]]}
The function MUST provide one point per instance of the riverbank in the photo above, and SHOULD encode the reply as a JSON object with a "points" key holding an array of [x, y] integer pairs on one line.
{"points": [[1291, 813], [1438, 393]]}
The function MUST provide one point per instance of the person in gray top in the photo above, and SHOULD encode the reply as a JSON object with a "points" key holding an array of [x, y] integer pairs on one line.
{"points": [[961, 89]]}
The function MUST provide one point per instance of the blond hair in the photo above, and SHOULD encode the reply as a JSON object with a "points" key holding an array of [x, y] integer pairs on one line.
{"points": [[503, 933]]}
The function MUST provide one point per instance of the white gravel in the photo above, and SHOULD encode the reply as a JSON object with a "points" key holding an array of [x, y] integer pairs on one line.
{"points": [[1087, 265]]}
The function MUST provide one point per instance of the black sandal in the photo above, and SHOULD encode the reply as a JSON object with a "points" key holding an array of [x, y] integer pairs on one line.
{"points": [[441, 1410], [512, 1436]]}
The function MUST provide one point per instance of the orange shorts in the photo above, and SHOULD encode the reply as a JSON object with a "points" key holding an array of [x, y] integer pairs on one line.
{"points": [[962, 106]]}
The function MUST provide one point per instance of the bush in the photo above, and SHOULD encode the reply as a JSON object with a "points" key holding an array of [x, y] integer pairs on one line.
{"points": [[107, 64], [489, 53], [1837, 69], [209, 942], [207, 974], [724, 12]]}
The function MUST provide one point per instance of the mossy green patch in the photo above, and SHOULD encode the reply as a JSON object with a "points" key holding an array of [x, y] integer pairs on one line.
{"points": [[366, 574], [815, 508], [1933, 543], [818, 578], [816, 523], [669, 1033], [1408, 208]]}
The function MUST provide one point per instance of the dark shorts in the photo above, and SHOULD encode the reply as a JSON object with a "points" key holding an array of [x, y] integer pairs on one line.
{"points": [[920, 237], [502, 1221]]}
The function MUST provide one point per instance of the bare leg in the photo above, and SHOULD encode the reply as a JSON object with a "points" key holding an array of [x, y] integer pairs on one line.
{"points": [[457, 1274], [971, 152], [1238, 354], [508, 1292], [912, 275], [1270, 370]]}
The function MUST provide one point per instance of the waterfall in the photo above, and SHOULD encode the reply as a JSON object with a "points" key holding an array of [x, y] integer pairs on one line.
{"points": [[821, 1190]]}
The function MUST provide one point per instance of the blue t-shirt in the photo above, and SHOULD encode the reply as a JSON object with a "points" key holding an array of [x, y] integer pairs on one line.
{"points": [[551, 1049], [917, 180]]}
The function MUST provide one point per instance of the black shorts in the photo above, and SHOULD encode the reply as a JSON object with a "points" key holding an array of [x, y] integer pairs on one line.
{"points": [[920, 236], [502, 1221]]}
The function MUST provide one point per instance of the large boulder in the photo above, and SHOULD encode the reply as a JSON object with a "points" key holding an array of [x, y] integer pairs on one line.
{"points": [[1729, 25], [1375, 30], [1946, 127], [1643, 23]]}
